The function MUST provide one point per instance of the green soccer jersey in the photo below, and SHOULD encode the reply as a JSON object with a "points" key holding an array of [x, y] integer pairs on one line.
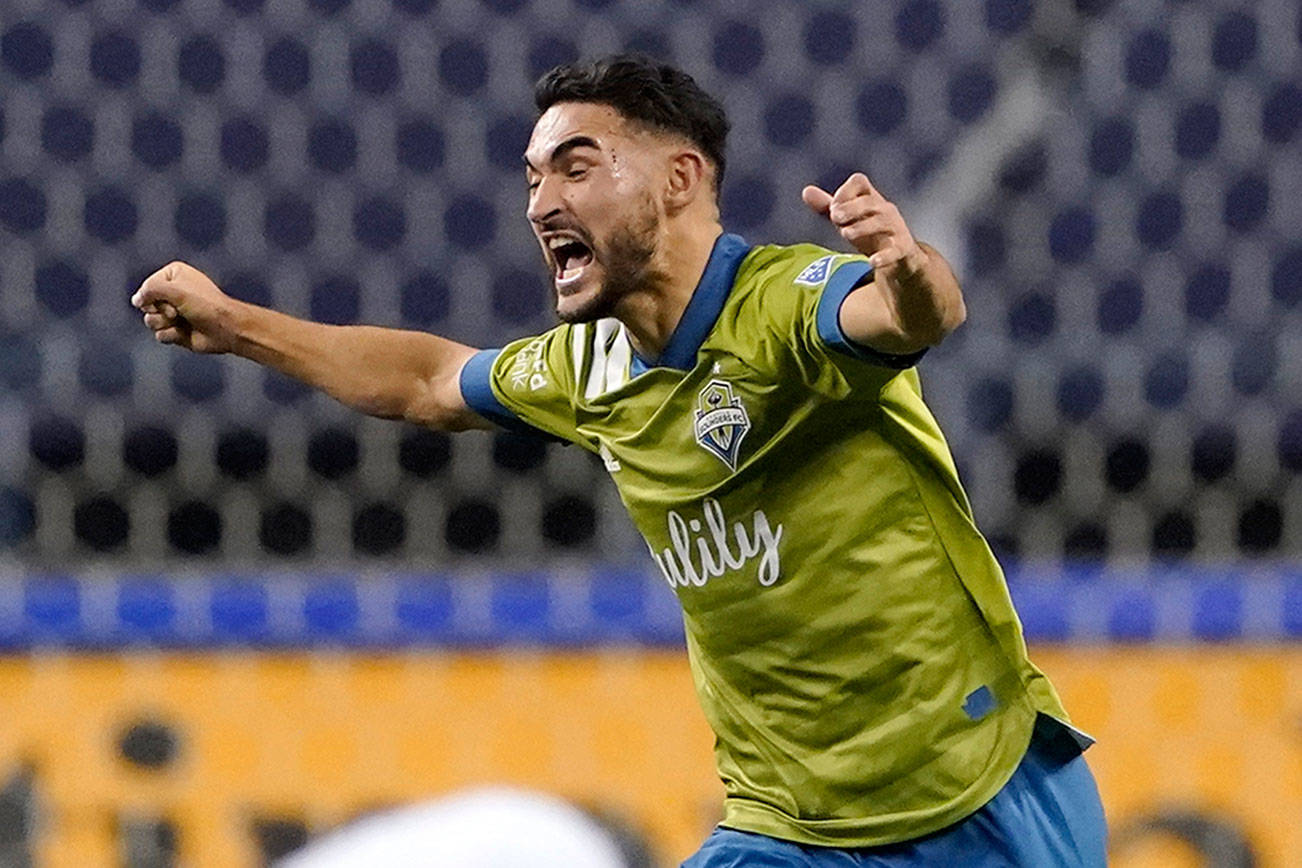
{"points": [[850, 634]]}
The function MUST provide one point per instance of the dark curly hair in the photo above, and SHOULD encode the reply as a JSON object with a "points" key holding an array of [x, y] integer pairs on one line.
{"points": [[644, 90]]}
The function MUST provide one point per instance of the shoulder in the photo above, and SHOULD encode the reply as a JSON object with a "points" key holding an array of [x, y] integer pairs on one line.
{"points": [[787, 282], [789, 264]]}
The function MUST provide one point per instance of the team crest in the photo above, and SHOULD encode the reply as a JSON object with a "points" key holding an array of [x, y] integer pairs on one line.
{"points": [[721, 421]]}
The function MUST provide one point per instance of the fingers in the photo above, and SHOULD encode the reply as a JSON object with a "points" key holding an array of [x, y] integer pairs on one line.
{"points": [[157, 321], [855, 199], [886, 256], [858, 208], [157, 286], [173, 335], [855, 185], [818, 199]]}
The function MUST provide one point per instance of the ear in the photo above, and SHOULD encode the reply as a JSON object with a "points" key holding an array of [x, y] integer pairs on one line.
{"points": [[689, 176]]}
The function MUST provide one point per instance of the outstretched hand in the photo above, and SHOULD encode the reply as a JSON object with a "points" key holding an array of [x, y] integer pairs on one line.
{"points": [[182, 306], [871, 223]]}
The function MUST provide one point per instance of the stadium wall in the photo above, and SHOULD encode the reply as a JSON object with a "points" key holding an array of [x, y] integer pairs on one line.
{"points": [[223, 719]]}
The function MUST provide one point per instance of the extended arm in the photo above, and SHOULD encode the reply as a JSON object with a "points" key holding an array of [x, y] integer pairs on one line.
{"points": [[913, 300], [390, 373]]}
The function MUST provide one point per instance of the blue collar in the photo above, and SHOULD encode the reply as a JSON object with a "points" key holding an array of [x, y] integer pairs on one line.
{"points": [[704, 307]]}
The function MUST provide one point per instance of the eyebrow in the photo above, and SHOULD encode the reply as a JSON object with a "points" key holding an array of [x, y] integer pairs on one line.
{"points": [[565, 147]]}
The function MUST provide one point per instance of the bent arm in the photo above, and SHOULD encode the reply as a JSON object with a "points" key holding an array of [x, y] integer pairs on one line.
{"points": [[917, 307]]}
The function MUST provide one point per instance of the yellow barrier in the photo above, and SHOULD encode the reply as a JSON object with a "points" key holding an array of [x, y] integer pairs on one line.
{"points": [[324, 737]]}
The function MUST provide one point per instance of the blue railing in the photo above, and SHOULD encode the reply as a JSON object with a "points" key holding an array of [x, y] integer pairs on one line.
{"points": [[599, 606]]}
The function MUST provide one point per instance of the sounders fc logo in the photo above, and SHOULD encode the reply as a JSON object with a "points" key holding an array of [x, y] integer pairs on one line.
{"points": [[721, 421]]}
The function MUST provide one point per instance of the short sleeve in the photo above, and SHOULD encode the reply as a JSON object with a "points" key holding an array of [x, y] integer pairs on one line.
{"points": [[526, 386], [805, 294], [827, 317]]}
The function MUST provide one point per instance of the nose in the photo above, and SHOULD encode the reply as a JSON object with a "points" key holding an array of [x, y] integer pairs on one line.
{"points": [[544, 201]]}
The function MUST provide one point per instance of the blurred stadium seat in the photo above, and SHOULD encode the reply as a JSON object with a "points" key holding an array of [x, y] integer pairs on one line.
{"points": [[1131, 269]]}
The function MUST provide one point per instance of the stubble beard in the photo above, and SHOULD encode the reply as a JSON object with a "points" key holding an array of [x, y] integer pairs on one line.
{"points": [[628, 266]]}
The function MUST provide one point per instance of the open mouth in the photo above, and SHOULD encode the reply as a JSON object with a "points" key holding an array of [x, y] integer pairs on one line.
{"points": [[571, 257]]}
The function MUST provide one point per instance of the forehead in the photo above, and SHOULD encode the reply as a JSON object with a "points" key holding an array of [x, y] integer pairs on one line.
{"points": [[567, 120]]}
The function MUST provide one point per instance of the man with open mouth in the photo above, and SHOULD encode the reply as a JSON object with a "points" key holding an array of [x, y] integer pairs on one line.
{"points": [[850, 633]]}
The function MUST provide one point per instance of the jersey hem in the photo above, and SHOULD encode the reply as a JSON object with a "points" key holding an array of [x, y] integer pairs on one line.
{"points": [[750, 816]]}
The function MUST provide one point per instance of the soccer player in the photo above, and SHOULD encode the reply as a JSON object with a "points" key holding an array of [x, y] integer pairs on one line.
{"points": [[850, 634]]}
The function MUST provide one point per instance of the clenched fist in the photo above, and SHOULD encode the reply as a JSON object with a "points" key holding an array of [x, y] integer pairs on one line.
{"points": [[184, 307]]}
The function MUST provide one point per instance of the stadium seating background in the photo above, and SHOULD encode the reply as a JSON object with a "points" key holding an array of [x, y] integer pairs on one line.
{"points": [[1126, 385]]}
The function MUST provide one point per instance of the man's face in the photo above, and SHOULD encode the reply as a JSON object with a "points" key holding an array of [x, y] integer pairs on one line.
{"points": [[593, 179]]}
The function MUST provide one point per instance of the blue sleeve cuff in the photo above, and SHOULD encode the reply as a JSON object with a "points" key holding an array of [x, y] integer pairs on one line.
{"points": [[477, 391], [828, 318]]}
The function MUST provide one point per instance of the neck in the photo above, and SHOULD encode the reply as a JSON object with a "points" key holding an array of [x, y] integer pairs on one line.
{"points": [[651, 314]]}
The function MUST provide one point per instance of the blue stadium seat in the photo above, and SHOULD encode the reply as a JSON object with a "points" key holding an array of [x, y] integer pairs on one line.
{"points": [[156, 140], [105, 369], [919, 23], [1234, 42], [146, 610], [789, 120], [519, 296], [1197, 130], [424, 606], [289, 222], [1080, 393], [243, 144], [1148, 58], [971, 92], [520, 606], [463, 66], [419, 144], [115, 58], [424, 299], [374, 67], [52, 607], [748, 201], [197, 378], [989, 404], [67, 133], [62, 287], [110, 215], [379, 223], [27, 50], [22, 206], [829, 36], [332, 146], [238, 608], [200, 220], [335, 299], [57, 442], [1167, 381], [17, 516], [200, 63], [331, 610], [738, 47], [547, 51], [1007, 17], [287, 66], [505, 141], [470, 222]]}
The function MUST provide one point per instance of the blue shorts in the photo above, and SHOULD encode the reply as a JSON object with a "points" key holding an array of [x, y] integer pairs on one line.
{"points": [[1048, 814]]}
